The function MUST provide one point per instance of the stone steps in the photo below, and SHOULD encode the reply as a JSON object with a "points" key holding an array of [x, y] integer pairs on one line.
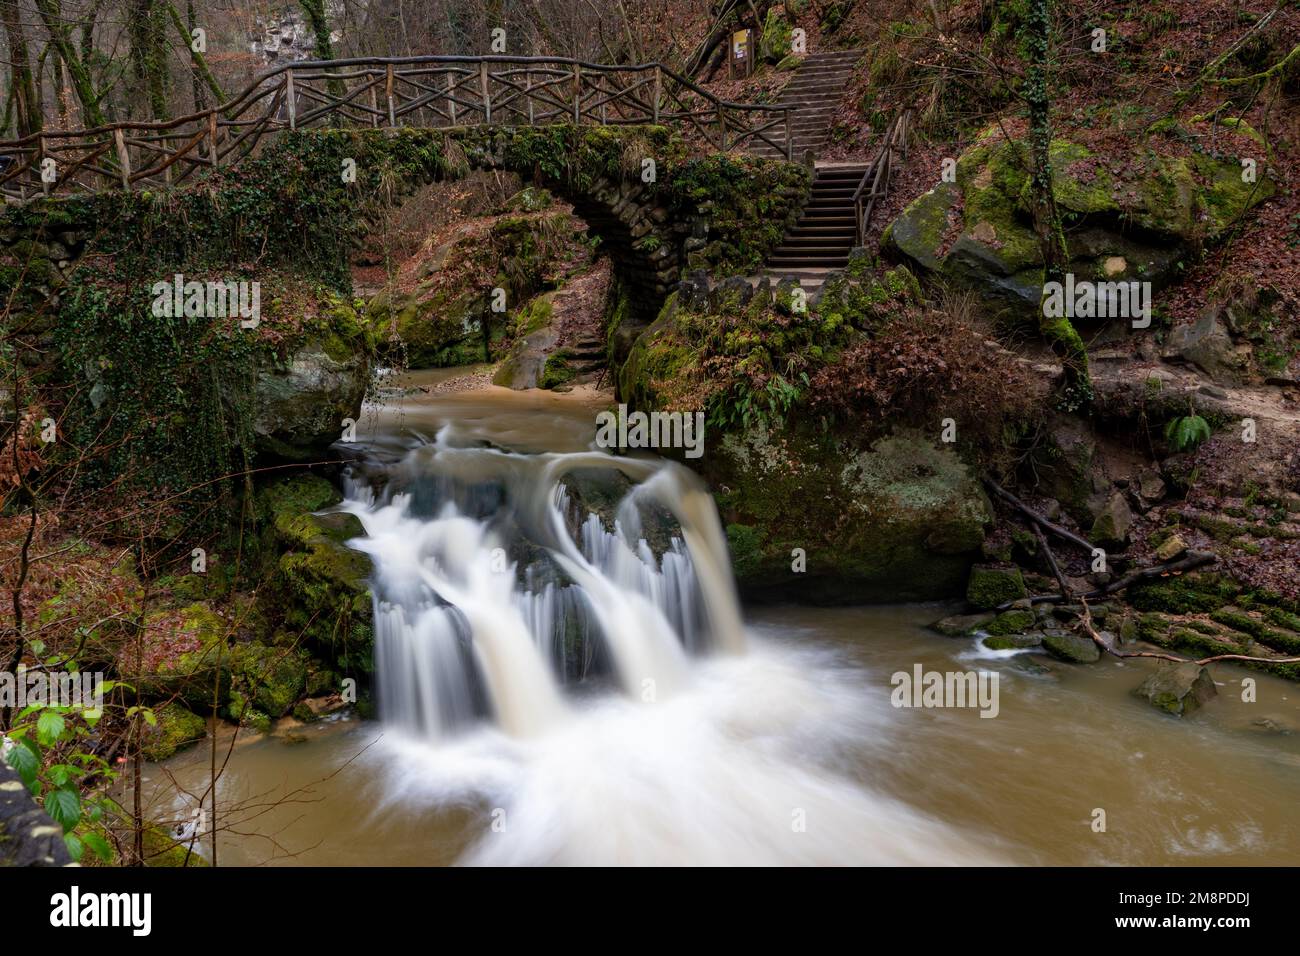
{"points": [[815, 90], [826, 231]]}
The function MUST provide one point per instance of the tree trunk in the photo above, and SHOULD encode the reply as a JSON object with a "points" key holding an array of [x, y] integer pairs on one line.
{"points": [[60, 31], [20, 68], [1058, 331], [149, 55]]}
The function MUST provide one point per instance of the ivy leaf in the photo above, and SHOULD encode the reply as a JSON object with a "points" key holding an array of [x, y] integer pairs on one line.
{"points": [[99, 846], [49, 727], [64, 807]]}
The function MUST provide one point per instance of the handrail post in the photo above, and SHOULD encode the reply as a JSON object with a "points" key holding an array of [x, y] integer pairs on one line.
{"points": [[577, 94], [658, 89], [789, 140], [528, 95], [451, 102], [123, 157], [212, 134], [722, 128], [486, 90], [291, 98], [40, 163], [374, 106], [388, 94]]}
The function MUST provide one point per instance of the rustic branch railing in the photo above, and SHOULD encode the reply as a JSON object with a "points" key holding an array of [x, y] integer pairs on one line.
{"points": [[877, 177], [422, 91]]}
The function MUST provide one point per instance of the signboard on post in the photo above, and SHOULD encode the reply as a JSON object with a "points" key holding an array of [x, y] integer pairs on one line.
{"points": [[741, 61]]}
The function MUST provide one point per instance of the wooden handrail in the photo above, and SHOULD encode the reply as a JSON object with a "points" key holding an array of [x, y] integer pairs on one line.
{"points": [[881, 167], [390, 91]]}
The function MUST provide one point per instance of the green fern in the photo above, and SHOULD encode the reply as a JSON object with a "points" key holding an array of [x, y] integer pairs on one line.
{"points": [[1186, 432]]}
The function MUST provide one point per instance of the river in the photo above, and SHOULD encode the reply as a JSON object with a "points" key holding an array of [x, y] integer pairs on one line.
{"points": [[679, 727]]}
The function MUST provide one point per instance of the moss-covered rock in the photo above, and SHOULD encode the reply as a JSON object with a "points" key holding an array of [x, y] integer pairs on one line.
{"points": [[1137, 224], [175, 728], [987, 587], [317, 594], [1015, 621], [899, 520], [1178, 689], [301, 404], [1072, 648], [1184, 594]]}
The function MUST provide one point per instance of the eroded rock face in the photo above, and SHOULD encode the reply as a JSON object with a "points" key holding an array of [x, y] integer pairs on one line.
{"points": [[300, 406], [1134, 220]]}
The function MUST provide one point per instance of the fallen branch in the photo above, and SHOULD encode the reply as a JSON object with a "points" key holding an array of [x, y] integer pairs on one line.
{"points": [[1039, 518], [1189, 562], [1051, 561], [1107, 647]]}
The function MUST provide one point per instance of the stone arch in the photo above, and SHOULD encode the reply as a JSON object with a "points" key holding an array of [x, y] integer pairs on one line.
{"points": [[645, 243]]}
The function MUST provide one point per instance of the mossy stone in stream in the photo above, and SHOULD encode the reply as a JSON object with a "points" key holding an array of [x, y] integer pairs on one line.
{"points": [[1008, 642], [987, 587], [1072, 648], [1178, 689], [1016, 621], [814, 518], [962, 625]]}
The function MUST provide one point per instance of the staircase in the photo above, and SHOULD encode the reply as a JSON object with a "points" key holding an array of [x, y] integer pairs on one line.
{"points": [[815, 90], [826, 231]]}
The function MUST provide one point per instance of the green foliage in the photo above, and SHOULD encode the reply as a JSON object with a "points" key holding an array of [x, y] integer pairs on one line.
{"points": [[53, 752], [1186, 432]]}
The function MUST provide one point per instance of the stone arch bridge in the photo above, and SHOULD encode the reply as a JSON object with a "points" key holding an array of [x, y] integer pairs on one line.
{"points": [[489, 106]]}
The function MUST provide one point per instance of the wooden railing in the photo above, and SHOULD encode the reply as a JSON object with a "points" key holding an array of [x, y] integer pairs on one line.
{"points": [[424, 91], [877, 177]]}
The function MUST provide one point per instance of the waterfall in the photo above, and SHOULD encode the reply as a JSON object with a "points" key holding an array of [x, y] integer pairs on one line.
{"points": [[495, 586]]}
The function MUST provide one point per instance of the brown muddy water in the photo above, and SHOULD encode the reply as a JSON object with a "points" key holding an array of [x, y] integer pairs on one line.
{"points": [[778, 745]]}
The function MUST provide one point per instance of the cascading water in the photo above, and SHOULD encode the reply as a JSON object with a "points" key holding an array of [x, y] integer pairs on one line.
{"points": [[559, 642], [462, 633]]}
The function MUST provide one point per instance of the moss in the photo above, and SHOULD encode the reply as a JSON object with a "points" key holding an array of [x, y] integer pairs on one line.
{"points": [[557, 371], [535, 315], [1199, 645], [176, 727], [745, 544], [1186, 594], [1016, 621], [775, 42], [272, 678], [161, 850], [989, 587], [317, 587]]}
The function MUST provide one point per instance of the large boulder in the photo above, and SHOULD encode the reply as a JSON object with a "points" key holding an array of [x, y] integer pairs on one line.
{"points": [[1178, 689], [300, 404], [816, 518], [1134, 219]]}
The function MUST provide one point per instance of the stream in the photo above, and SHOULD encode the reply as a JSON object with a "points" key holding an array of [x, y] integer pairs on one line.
{"points": [[565, 676]]}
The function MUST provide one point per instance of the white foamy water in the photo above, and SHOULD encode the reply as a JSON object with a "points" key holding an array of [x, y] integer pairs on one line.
{"points": [[694, 744]]}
